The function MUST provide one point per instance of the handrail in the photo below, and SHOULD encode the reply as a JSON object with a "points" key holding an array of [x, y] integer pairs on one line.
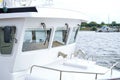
{"points": [[42, 67], [110, 69], [64, 71], [114, 65]]}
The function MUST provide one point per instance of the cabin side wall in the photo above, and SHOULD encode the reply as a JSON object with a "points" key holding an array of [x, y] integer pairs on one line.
{"points": [[18, 64], [24, 59], [7, 60]]}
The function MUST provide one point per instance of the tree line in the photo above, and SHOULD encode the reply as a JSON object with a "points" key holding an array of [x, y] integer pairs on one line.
{"points": [[94, 25]]}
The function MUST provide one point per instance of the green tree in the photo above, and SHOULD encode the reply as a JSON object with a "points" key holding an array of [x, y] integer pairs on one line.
{"points": [[91, 24], [113, 23], [93, 28], [102, 23], [99, 25], [84, 24]]}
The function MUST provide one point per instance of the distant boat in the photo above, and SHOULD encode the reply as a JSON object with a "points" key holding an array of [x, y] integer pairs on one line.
{"points": [[105, 28], [38, 43]]}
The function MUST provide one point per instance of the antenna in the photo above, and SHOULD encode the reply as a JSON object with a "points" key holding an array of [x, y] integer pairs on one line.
{"points": [[4, 7], [108, 20], [22, 2], [43, 3], [4, 4], [48, 3], [25, 2]]}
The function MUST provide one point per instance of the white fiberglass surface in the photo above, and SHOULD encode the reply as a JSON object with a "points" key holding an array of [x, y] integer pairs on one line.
{"points": [[78, 66], [89, 67]]}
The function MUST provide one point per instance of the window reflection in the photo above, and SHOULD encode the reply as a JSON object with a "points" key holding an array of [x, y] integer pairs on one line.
{"points": [[7, 39], [60, 37], [74, 34], [36, 39]]}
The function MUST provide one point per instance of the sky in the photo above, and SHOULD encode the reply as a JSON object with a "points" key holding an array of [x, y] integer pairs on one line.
{"points": [[96, 10]]}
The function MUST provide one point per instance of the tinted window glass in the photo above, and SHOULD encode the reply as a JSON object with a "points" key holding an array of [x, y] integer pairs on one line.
{"points": [[74, 34], [6, 39], [36, 39], [60, 37]]}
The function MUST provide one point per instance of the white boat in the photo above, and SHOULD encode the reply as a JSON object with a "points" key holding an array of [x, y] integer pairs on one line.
{"points": [[39, 44], [106, 28]]}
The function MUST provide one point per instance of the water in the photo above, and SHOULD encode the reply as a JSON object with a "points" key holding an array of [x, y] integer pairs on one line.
{"points": [[104, 47]]}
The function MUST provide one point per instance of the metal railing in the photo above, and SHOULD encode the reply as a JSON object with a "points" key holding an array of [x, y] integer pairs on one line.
{"points": [[111, 68], [61, 71]]}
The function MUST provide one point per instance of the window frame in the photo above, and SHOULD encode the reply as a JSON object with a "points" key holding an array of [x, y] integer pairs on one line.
{"points": [[37, 29], [11, 44], [66, 38], [75, 35]]}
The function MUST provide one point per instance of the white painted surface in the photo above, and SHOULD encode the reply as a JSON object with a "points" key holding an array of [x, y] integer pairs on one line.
{"points": [[47, 13], [17, 65], [41, 73]]}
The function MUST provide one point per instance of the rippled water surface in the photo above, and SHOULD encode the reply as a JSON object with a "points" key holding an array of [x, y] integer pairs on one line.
{"points": [[104, 47]]}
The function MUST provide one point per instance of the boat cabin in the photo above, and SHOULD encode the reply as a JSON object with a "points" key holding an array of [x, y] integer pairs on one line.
{"points": [[42, 37], [35, 38]]}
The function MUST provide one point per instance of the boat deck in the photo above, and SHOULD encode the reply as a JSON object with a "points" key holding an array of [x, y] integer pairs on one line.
{"points": [[71, 70]]}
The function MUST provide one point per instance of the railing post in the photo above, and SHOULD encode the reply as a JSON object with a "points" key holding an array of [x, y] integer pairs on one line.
{"points": [[60, 75], [95, 76], [111, 72], [31, 69]]}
